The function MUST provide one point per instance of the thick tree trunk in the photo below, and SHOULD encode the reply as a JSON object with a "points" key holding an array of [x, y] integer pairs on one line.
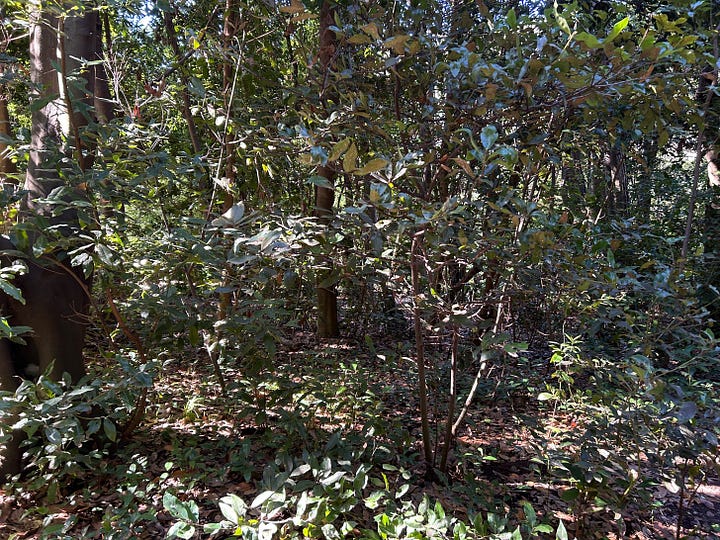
{"points": [[65, 43], [56, 297]]}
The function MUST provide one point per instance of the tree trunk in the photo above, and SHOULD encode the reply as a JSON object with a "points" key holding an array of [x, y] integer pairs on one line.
{"points": [[65, 42], [617, 190], [645, 183], [56, 296], [327, 316], [7, 167]]}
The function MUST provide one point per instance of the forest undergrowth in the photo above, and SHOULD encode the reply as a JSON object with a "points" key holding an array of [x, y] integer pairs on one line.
{"points": [[325, 445]]}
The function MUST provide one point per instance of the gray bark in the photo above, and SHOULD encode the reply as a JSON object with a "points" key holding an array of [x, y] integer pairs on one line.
{"points": [[55, 129]]}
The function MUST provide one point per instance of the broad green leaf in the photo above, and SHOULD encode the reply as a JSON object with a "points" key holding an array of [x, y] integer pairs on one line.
{"points": [[686, 412], [262, 498], [330, 532], [562, 21], [320, 181], [512, 19], [488, 136], [373, 500], [615, 32], [181, 530], [530, 514], [233, 508], [109, 429], [589, 40], [333, 478], [231, 217], [11, 290], [561, 533]]}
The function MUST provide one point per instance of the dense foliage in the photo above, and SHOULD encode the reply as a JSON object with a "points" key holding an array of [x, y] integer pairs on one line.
{"points": [[523, 243]]}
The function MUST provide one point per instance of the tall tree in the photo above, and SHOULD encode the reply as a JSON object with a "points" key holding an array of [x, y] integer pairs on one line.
{"points": [[63, 39]]}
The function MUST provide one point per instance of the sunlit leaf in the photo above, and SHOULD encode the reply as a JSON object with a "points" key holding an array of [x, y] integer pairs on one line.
{"points": [[488, 136], [617, 28]]}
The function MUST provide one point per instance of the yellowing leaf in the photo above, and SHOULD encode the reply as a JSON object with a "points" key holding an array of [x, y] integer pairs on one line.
{"points": [[350, 159], [491, 91], [528, 88], [296, 6], [371, 30], [303, 16], [372, 166], [563, 24], [359, 39], [397, 43], [338, 149]]}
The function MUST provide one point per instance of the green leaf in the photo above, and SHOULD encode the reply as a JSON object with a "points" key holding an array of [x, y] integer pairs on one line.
{"points": [[11, 290], [373, 500], [615, 32], [512, 19], [686, 412], [488, 136], [562, 21], [330, 532], [332, 479], [589, 40], [233, 508], [110, 429], [171, 503], [181, 530], [320, 181], [545, 396], [561, 533], [231, 217], [530, 514], [262, 498]]}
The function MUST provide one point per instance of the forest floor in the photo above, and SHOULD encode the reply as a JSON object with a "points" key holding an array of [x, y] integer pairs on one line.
{"points": [[202, 445]]}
